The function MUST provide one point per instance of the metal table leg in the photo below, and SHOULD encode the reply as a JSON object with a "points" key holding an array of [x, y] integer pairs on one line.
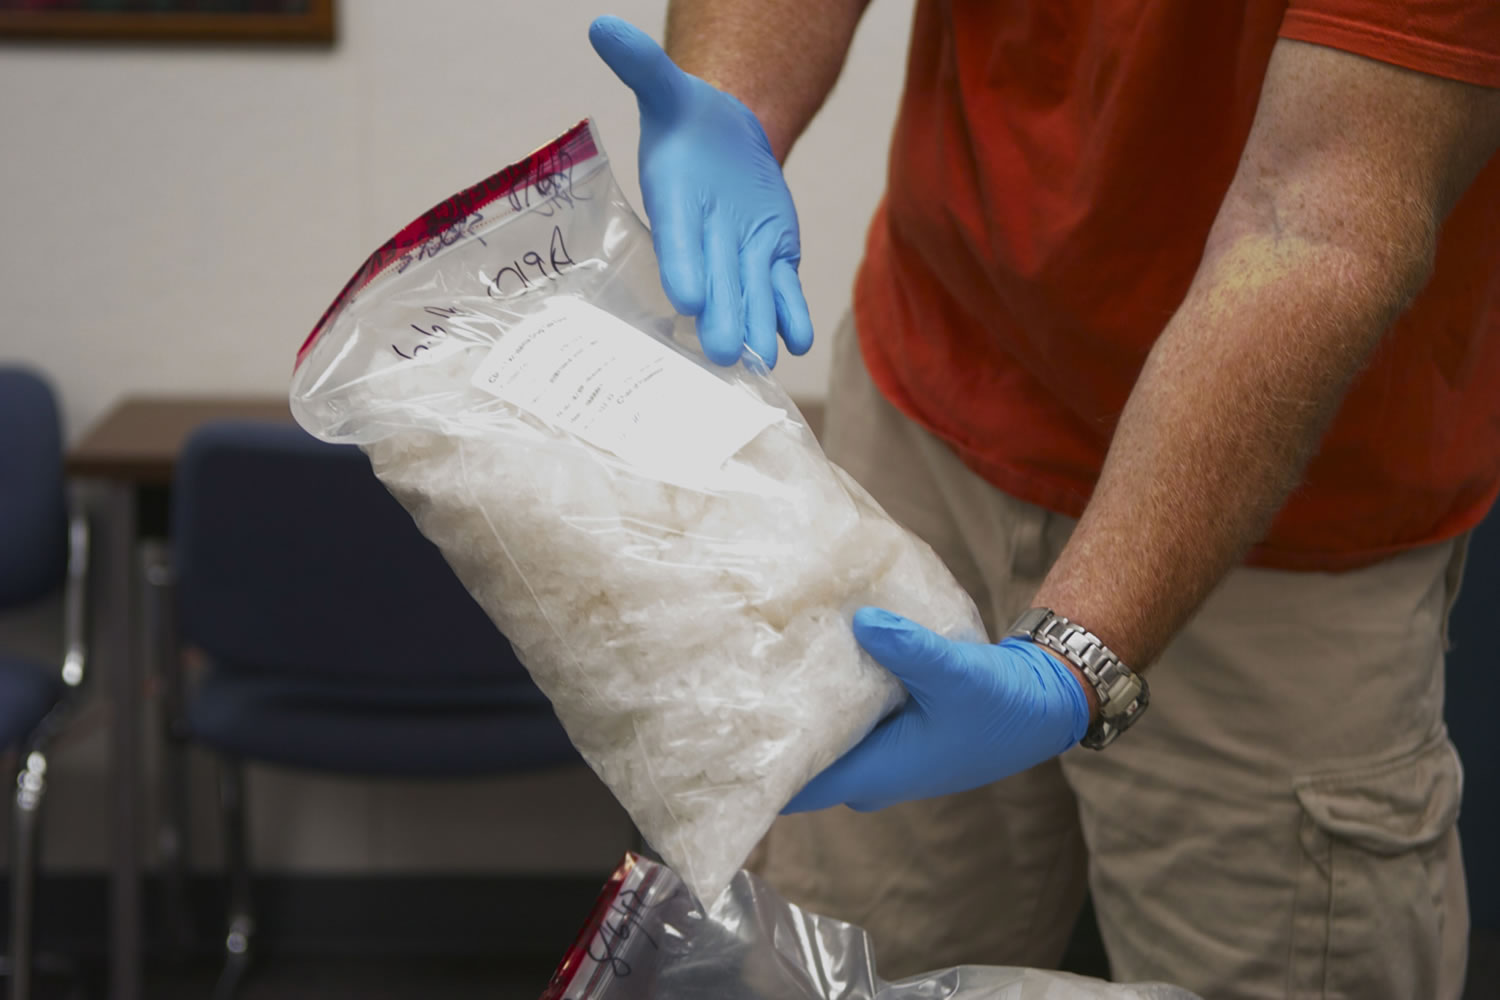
{"points": [[116, 642]]}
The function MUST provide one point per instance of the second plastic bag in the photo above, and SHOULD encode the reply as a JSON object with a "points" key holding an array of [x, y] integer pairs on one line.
{"points": [[646, 938], [662, 540]]}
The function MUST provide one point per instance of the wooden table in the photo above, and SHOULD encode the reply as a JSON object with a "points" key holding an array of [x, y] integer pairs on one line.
{"points": [[138, 441], [130, 451]]}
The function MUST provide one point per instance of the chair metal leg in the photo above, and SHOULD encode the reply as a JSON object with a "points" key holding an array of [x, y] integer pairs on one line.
{"points": [[173, 835], [31, 784], [241, 929], [175, 845]]}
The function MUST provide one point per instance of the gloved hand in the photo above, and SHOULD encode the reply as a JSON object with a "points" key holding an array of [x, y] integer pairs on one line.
{"points": [[722, 219], [975, 714]]}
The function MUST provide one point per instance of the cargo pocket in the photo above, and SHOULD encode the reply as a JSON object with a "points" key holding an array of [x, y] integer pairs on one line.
{"points": [[1372, 893]]}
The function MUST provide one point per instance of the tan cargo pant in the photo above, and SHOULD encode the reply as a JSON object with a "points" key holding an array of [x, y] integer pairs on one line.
{"points": [[1279, 824]]}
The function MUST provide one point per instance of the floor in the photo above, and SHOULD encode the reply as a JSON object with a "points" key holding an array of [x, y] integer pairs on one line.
{"points": [[332, 979]]}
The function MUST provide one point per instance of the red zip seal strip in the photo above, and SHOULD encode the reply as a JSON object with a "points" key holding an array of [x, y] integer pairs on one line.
{"points": [[578, 953], [572, 147]]}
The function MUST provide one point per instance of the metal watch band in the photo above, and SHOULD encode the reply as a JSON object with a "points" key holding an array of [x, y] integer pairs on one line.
{"points": [[1123, 694]]}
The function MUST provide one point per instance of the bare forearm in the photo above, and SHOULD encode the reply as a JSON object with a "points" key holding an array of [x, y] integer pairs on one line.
{"points": [[1225, 416], [780, 57], [1325, 235]]}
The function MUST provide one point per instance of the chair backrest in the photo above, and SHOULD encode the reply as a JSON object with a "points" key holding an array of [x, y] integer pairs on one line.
{"points": [[291, 556], [33, 506], [1473, 691]]}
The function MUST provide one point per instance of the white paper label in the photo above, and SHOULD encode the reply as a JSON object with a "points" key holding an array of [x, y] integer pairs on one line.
{"points": [[588, 372]]}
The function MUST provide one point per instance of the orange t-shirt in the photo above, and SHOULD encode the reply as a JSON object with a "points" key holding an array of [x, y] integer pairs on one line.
{"points": [[1055, 170]]}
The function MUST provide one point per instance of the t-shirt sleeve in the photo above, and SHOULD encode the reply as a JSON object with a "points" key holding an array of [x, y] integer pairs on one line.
{"points": [[1457, 39]]}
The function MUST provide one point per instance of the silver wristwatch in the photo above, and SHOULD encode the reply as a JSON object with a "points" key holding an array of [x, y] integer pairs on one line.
{"points": [[1123, 694]]}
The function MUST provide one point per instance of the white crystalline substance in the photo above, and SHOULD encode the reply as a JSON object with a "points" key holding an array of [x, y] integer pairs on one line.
{"points": [[695, 643]]}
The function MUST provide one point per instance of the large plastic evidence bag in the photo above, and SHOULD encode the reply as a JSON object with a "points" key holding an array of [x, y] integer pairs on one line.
{"points": [[661, 539]]}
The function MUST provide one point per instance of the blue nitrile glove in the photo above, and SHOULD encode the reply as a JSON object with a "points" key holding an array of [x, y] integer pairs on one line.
{"points": [[976, 714], [722, 220]]}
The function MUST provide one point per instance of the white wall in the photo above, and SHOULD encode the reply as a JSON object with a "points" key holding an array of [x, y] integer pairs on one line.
{"points": [[175, 219]]}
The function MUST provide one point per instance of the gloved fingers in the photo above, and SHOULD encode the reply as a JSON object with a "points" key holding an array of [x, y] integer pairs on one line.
{"points": [[867, 776], [677, 234], [721, 323], [638, 61], [923, 661], [792, 316], [760, 301]]}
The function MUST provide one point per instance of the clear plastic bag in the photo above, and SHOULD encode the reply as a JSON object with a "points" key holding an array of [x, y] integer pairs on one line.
{"points": [[661, 539], [649, 938]]}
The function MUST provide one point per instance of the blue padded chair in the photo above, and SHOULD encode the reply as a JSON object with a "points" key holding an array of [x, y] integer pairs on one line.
{"points": [[1473, 690], [336, 637], [35, 560]]}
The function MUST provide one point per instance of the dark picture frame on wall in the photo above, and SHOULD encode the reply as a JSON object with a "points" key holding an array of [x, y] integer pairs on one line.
{"points": [[222, 21]]}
